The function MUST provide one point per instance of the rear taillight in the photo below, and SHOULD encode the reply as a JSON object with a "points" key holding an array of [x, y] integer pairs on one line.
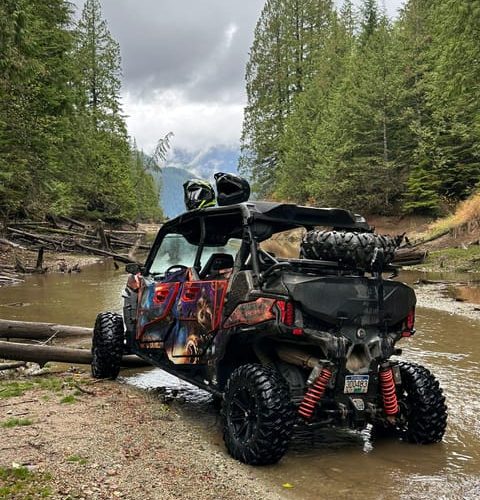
{"points": [[409, 324], [287, 316], [287, 312]]}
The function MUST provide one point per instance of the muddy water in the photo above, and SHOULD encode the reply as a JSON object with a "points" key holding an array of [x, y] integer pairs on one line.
{"points": [[328, 463]]}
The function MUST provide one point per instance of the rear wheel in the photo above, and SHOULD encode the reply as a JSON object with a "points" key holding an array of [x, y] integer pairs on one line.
{"points": [[257, 415], [423, 412], [107, 345]]}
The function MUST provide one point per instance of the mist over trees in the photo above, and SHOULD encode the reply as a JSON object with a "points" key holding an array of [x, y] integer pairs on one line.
{"points": [[64, 147], [347, 107]]}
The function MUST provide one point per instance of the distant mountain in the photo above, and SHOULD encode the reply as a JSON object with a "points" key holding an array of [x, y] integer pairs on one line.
{"points": [[206, 162], [171, 196], [183, 165]]}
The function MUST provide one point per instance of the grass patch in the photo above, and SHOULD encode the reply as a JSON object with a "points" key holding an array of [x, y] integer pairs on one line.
{"points": [[77, 459], [18, 387], [455, 259], [19, 482], [16, 422], [70, 399]]}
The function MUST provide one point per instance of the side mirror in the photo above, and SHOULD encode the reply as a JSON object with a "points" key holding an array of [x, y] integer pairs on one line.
{"points": [[134, 268]]}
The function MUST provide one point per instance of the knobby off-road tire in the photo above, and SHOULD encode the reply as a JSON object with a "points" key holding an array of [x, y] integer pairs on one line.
{"points": [[349, 248], [107, 345], [423, 412], [257, 415]]}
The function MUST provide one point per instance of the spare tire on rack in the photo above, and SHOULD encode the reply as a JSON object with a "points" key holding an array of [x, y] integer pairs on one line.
{"points": [[348, 248]]}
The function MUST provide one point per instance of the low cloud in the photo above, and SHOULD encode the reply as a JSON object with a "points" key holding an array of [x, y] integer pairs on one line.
{"points": [[196, 125]]}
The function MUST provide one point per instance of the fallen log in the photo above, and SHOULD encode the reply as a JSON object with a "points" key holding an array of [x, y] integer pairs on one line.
{"points": [[43, 354], [409, 256], [431, 238], [11, 366], [39, 331], [118, 231], [9, 243], [73, 221], [105, 253]]}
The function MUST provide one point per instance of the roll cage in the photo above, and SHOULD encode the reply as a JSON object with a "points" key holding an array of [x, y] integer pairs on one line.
{"points": [[251, 222]]}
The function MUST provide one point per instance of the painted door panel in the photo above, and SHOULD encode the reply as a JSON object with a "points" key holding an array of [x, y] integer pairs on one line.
{"points": [[198, 314], [156, 303]]}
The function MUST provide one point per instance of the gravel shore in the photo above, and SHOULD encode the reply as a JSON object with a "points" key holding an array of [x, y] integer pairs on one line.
{"points": [[434, 297], [104, 440]]}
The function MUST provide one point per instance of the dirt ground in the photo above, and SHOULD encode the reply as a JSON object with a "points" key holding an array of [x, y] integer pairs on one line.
{"points": [[68, 437]]}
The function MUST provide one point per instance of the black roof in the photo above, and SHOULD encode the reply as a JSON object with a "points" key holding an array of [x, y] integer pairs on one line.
{"points": [[265, 218]]}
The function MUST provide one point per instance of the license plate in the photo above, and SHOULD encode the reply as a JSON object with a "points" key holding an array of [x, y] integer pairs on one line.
{"points": [[356, 384]]}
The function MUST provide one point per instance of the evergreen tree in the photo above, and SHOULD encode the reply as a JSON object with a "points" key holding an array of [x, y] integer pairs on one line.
{"points": [[448, 167], [105, 181], [288, 36], [35, 109], [300, 161]]}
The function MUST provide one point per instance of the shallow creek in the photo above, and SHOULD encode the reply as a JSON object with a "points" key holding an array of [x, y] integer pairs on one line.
{"points": [[327, 463]]}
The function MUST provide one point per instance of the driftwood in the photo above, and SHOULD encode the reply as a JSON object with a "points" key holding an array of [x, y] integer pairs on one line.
{"points": [[39, 331], [409, 256], [9, 243], [34, 237], [432, 238], [104, 240], [39, 265], [72, 221], [9, 280], [119, 231], [11, 366], [43, 354], [105, 253]]}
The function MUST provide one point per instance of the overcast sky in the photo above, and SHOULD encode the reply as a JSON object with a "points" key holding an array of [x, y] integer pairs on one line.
{"points": [[183, 66]]}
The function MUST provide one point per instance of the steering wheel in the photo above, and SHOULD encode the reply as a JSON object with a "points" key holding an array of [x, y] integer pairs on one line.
{"points": [[179, 267]]}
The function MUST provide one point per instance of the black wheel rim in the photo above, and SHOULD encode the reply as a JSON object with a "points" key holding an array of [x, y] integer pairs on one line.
{"points": [[243, 415]]}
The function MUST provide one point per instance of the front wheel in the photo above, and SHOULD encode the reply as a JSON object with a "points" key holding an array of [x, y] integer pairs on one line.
{"points": [[107, 345], [423, 412], [257, 415]]}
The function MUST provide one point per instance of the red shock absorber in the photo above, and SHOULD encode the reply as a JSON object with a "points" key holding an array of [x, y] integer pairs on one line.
{"points": [[314, 394], [387, 386]]}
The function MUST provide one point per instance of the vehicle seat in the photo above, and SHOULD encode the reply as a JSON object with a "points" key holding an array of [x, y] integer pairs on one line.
{"points": [[218, 266]]}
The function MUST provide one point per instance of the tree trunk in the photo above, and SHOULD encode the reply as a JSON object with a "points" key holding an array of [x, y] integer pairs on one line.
{"points": [[43, 354], [39, 265], [38, 331]]}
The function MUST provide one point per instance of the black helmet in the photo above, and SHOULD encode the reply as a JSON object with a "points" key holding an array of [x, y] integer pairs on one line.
{"points": [[231, 189], [198, 194]]}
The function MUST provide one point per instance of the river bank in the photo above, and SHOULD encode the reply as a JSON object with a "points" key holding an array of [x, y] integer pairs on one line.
{"points": [[66, 436]]}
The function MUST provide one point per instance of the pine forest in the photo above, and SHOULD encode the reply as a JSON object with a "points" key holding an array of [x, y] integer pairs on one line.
{"points": [[349, 108], [64, 147]]}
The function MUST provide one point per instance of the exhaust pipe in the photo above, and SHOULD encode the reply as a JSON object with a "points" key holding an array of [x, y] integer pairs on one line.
{"points": [[297, 357]]}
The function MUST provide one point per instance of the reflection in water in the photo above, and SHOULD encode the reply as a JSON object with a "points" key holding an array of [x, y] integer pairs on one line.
{"points": [[465, 293], [326, 463], [71, 299]]}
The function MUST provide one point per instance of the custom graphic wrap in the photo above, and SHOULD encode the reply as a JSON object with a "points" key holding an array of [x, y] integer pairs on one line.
{"points": [[156, 303], [198, 315], [251, 313]]}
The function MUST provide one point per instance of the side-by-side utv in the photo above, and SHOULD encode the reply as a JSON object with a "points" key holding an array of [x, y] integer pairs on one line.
{"points": [[278, 341]]}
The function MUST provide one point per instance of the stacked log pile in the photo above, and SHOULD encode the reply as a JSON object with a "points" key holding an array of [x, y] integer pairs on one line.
{"points": [[64, 234]]}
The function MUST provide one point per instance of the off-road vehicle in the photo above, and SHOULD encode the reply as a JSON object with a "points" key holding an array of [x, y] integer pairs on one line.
{"points": [[280, 342]]}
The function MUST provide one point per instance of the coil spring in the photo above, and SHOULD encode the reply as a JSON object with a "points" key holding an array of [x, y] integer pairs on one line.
{"points": [[314, 394], [387, 385]]}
